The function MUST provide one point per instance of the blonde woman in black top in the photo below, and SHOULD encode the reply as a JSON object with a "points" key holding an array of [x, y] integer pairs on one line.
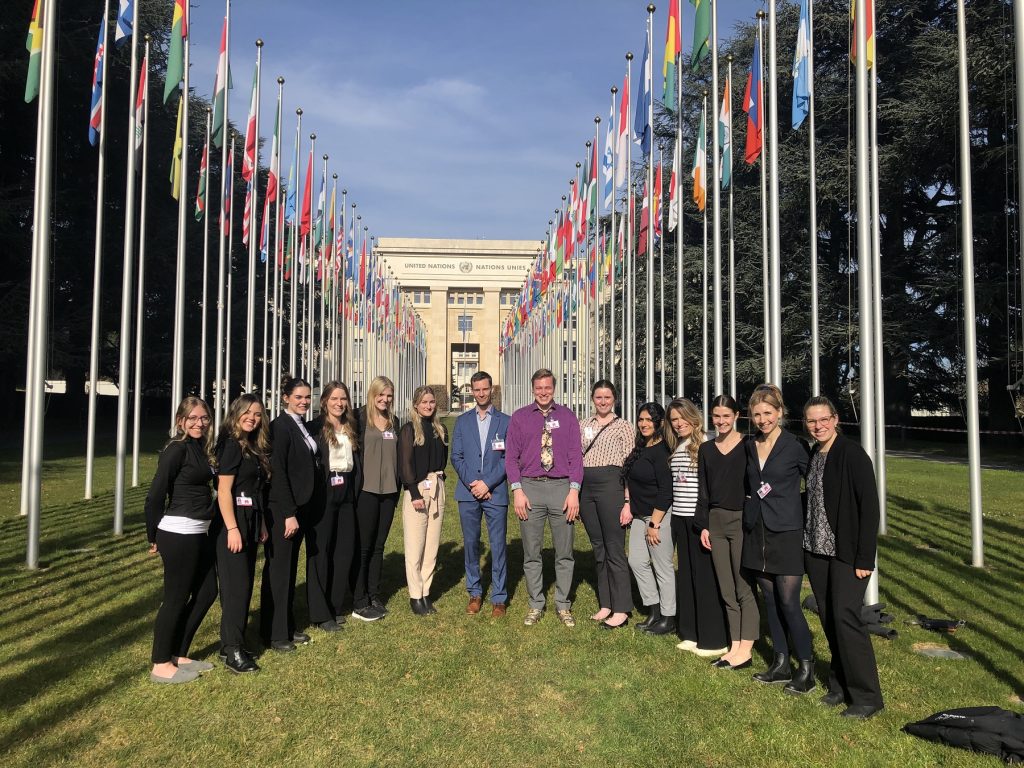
{"points": [[178, 514], [243, 461], [422, 456]]}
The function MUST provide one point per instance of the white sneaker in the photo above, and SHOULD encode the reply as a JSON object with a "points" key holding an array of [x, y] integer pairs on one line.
{"points": [[708, 654], [687, 645]]}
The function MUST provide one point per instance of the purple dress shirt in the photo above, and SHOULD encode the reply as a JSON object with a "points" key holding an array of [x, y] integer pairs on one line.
{"points": [[522, 445]]}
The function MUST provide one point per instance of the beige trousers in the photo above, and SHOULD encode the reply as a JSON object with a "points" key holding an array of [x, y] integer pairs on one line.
{"points": [[421, 532]]}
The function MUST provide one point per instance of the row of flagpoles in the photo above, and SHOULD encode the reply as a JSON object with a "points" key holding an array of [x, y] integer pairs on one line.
{"points": [[332, 309], [586, 267]]}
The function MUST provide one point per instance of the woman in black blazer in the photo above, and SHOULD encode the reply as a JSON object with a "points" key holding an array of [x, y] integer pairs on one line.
{"points": [[331, 534], [178, 515], [378, 497], [243, 467], [840, 542], [773, 521], [296, 489]]}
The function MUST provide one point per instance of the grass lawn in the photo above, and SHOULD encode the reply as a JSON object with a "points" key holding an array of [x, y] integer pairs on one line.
{"points": [[468, 691]]}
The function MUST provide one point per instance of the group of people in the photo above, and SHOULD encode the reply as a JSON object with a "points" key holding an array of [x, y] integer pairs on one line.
{"points": [[737, 513]]}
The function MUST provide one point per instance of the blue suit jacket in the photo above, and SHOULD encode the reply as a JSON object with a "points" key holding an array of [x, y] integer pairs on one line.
{"points": [[467, 459]]}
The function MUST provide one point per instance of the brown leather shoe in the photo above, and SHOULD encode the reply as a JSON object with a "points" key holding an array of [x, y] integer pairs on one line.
{"points": [[498, 611], [475, 603]]}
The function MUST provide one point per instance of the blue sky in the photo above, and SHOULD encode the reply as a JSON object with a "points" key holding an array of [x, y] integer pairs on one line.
{"points": [[451, 118]]}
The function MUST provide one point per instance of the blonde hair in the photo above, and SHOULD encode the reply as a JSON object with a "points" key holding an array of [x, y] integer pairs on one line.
{"points": [[770, 394], [417, 420], [257, 442], [378, 385], [691, 416], [347, 421], [180, 435]]}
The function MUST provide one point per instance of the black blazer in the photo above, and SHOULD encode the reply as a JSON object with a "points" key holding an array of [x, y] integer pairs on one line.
{"points": [[295, 473], [851, 502], [361, 428], [782, 509], [316, 429]]}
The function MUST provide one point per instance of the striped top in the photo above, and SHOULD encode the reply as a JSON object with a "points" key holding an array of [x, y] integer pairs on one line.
{"points": [[611, 448], [684, 482]]}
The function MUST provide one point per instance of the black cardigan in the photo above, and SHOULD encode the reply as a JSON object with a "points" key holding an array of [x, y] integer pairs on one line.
{"points": [[782, 509], [316, 429], [650, 481], [851, 502], [294, 471], [182, 481], [416, 461]]}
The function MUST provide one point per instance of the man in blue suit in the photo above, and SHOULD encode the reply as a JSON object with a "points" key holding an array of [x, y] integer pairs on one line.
{"points": [[478, 455]]}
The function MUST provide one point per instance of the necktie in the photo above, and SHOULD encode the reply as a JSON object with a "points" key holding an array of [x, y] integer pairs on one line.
{"points": [[547, 456]]}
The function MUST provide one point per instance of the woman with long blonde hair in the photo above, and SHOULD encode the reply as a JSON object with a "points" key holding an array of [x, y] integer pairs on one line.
{"points": [[700, 617], [243, 458], [422, 456], [178, 515], [375, 508]]}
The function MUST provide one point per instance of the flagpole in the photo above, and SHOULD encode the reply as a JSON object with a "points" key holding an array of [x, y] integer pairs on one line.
{"points": [[275, 309], [732, 251], [614, 242], [629, 305], [649, 330], [704, 291], [716, 210], [680, 278], [970, 318], [178, 346], [292, 319], [812, 151], [97, 270], [206, 262], [343, 307], [661, 288], [140, 299], [594, 297], [876, 271], [765, 283], [125, 335], [41, 233], [308, 271], [775, 269], [323, 276], [231, 273], [1018, 28], [250, 307]]}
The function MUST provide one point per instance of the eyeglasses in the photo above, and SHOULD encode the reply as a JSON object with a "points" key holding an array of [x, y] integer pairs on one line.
{"points": [[198, 420], [819, 422]]}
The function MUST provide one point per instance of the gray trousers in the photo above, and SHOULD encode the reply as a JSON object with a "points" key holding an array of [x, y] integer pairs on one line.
{"points": [[725, 528], [546, 498], [652, 566]]}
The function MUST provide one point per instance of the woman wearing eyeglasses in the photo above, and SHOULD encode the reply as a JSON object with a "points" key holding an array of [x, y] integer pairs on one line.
{"points": [[178, 515]]}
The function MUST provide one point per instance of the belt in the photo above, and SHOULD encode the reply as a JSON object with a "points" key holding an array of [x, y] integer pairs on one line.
{"points": [[546, 478]]}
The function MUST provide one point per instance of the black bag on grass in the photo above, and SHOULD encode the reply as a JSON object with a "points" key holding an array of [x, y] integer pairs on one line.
{"points": [[989, 730]]}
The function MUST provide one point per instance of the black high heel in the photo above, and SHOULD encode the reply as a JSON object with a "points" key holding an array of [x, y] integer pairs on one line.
{"points": [[606, 625]]}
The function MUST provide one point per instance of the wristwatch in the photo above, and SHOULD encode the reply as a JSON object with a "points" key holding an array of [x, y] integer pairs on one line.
{"points": [[652, 524]]}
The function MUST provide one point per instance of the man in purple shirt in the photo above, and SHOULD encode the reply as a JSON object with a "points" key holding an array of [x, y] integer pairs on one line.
{"points": [[544, 466]]}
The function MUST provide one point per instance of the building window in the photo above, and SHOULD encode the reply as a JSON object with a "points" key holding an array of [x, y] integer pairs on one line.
{"points": [[451, 298], [426, 295], [461, 299], [465, 323]]}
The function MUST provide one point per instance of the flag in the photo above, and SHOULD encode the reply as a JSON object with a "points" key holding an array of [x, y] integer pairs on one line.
{"points": [[249, 158], [96, 110], [265, 231], [124, 22], [608, 161], [229, 186], [656, 201], [645, 222], [700, 168], [274, 172], [620, 145], [725, 134], [754, 106], [289, 203], [701, 32], [179, 146], [176, 49], [140, 112], [221, 83], [307, 194], [672, 46], [641, 128], [673, 192], [318, 221], [246, 213], [204, 177], [868, 4], [34, 46], [802, 78]]}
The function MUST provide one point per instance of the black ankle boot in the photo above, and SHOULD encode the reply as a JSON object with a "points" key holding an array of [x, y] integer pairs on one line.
{"points": [[416, 603], [652, 618], [803, 681], [662, 626], [778, 672]]}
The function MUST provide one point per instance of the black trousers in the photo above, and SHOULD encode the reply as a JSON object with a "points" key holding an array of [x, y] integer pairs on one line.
{"points": [[601, 501], [322, 539], [345, 564], [277, 592], [375, 512], [236, 571], [840, 594], [700, 615], [190, 587]]}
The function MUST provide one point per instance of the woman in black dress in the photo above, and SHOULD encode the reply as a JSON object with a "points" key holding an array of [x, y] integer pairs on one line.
{"points": [[178, 514], [840, 542], [773, 522], [243, 462]]}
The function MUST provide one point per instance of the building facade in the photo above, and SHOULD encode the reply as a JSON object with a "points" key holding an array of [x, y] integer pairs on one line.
{"points": [[463, 291]]}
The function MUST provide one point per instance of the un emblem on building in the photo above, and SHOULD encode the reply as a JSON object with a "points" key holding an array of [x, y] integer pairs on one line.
{"points": [[466, 267]]}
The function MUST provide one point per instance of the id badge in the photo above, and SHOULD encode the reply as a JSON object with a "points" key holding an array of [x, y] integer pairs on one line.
{"points": [[243, 501], [498, 444], [764, 490], [589, 433], [681, 477], [552, 424], [337, 480], [427, 483], [388, 435]]}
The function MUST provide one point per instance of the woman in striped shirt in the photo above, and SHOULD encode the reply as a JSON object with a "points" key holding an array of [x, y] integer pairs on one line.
{"points": [[700, 616]]}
